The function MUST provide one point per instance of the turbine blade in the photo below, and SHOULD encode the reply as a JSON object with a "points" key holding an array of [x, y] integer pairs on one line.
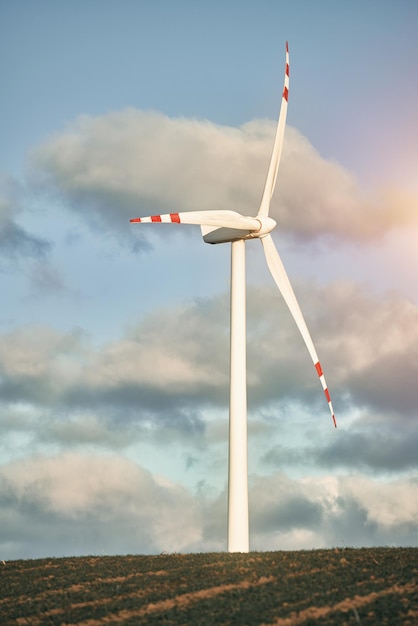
{"points": [[278, 145], [221, 219], [281, 278]]}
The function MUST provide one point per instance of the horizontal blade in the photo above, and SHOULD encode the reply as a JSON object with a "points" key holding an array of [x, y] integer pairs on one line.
{"points": [[278, 145], [281, 278], [221, 219]]}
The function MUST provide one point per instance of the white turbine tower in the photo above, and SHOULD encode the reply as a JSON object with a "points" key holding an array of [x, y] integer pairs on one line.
{"points": [[229, 226]]}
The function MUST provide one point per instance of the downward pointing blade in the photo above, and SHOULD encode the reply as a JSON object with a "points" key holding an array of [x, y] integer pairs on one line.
{"points": [[278, 145], [222, 219], [281, 278]]}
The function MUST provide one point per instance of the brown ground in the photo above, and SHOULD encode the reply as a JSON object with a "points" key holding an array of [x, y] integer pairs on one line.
{"points": [[374, 586]]}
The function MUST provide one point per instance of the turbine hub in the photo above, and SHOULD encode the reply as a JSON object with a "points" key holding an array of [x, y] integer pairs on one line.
{"points": [[266, 226]]}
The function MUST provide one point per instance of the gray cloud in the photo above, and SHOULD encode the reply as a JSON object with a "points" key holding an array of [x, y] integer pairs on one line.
{"points": [[164, 365], [77, 504], [15, 241], [170, 388], [173, 366], [372, 446], [325, 512], [295, 512], [381, 446], [374, 349], [45, 280], [118, 165]]}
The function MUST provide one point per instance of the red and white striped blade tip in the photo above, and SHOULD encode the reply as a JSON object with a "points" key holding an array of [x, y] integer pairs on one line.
{"points": [[174, 218], [325, 388]]}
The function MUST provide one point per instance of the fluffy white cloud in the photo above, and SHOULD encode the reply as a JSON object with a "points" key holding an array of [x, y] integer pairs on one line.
{"points": [[115, 166], [73, 503]]}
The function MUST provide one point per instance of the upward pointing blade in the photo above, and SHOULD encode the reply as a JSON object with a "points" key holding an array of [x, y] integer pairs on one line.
{"points": [[281, 278], [278, 145], [222, 219]]}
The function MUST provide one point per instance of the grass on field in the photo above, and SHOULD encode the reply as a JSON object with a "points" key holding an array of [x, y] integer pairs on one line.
{"points": [[373, 586]]}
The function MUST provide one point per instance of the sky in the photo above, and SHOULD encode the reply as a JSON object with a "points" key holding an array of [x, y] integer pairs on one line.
{"points": [[114, 337]]}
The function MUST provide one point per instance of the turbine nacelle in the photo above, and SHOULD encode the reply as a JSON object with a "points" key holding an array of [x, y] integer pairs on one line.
{"points": [[221, 234]]}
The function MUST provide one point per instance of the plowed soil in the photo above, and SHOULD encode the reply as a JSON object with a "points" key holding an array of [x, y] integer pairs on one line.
{"points": [[349, 586]]}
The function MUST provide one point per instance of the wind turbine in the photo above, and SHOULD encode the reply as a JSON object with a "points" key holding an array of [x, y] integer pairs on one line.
{"points": [[224, 227]]}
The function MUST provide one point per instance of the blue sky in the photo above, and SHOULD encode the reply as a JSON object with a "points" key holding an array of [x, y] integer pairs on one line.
{"points": [[114, 339]]}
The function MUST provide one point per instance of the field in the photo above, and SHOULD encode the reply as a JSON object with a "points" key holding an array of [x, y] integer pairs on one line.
{"points": [[343, 586]]}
